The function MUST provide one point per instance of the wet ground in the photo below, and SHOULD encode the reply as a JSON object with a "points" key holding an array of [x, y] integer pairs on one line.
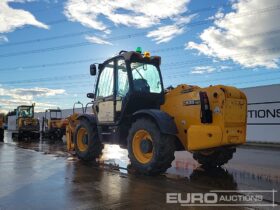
{"points": [[42, 175]]}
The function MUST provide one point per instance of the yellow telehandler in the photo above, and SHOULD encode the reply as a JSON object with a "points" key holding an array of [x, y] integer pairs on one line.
{"points": [[23, 124], [53, 125], [132, 109]]}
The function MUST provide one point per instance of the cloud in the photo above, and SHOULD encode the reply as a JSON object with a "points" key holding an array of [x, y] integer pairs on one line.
{"points": [[202, 69], [246, 35], [29, 93], [168, 32], [97, 40], [51, 1], [165, 33], [225, 67], [11, 98], [9, 105], [3, 39], [138, 14], [10, 18]]}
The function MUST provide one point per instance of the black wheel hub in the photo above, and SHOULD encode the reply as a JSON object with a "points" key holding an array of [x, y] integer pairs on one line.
{"points": [[146, 146]]}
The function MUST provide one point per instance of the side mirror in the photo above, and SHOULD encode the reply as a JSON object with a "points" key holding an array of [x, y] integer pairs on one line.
{"points": [[91, 95], [92, 69]]}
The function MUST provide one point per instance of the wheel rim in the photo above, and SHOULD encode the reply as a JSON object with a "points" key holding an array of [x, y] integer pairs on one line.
{"points": [[82, 139], [140, 155]]}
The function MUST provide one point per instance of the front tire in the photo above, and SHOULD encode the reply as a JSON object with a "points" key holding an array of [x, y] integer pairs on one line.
{"points": [[150, 151], [87, 145]]}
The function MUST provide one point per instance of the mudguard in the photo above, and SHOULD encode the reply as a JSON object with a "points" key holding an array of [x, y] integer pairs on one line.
{"points": [[90, 117], [163, 120]]}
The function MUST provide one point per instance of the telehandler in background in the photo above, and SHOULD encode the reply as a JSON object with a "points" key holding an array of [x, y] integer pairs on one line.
{"points": [[2, 121], [53, 125], [132, 109], [23, 124]]}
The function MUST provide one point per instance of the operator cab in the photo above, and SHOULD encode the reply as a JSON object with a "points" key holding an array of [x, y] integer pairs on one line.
{"points": [[53, 114], [25, 111], [126, 83]]}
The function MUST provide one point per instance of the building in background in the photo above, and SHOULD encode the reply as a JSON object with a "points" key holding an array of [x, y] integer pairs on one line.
{"points": [[263, 113]]}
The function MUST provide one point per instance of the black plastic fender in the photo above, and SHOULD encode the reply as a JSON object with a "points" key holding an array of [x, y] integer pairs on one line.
{"points": [[90, 117], [163, 120]]}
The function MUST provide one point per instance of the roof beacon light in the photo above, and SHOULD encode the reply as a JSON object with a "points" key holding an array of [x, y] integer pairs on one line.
{"points": [[139, 50], [147, 55]]}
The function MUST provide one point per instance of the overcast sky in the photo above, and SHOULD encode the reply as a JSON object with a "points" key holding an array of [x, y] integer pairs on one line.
{"points": [[46, 46]]}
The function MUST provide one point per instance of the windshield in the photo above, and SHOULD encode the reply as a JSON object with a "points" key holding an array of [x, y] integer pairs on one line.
{"points": [[25, 111], [55, 114], [146, 78]]}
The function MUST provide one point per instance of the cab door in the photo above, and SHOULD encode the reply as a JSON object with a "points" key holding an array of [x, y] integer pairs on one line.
{"points": [[122, 87], [104, 104]]}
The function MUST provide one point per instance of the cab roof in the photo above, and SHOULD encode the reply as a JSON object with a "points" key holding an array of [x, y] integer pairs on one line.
{"points": [[53, 110], [137, 57]]}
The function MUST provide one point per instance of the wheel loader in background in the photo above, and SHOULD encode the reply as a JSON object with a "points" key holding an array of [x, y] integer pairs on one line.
{"points": [[23, 124], [2, 121], [132, 109], [53, 125]]}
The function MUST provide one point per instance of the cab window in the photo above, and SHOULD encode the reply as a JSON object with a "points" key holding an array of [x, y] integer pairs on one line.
{"points": [[105, 86], [146, 78], [25, 111], [122, 81]]}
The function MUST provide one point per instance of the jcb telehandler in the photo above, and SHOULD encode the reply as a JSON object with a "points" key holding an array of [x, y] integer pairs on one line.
{"points": [[132, 109], [23, 124], [53, 125]]}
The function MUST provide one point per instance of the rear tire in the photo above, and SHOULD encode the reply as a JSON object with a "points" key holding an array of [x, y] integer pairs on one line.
{"points": [[1, 134], [215, 158], [87, 145], [158, 158], [43, 135], [38, 135], [60, 136]]}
